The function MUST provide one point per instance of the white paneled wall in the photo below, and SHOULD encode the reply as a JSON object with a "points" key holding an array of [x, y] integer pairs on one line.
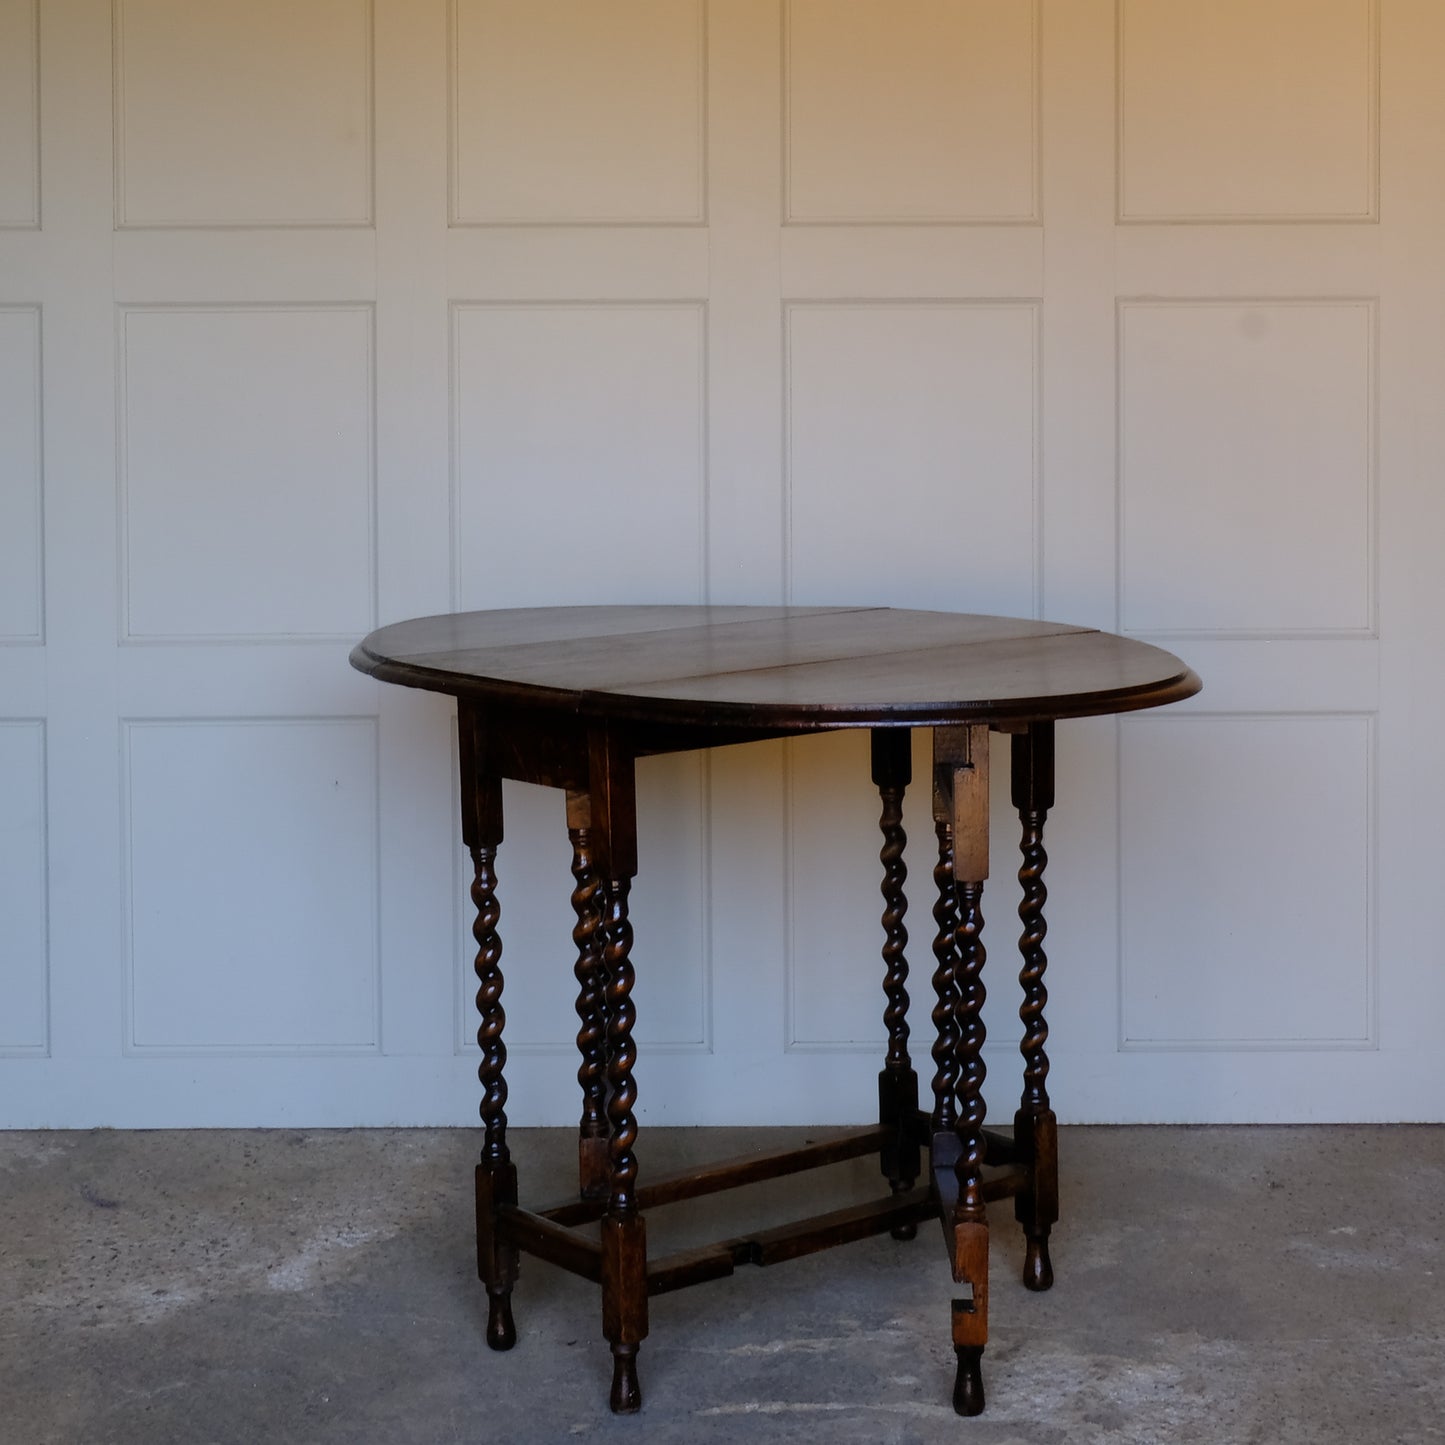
{"points": [[1236, 111], [595, 412], [246, 453], [19, 114], [24, 979], [296, 818], [571, 113], [320, 314], [22, 564], [254, 115], [1299, 954], [1281, 501], [923, 112], [899, 400]]}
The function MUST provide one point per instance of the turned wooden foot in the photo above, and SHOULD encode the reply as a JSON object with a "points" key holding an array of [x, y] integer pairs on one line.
{"points": [[1035, 1127], [965, 786], [1038, 1269], [968, 1382], [496, 1175], [907, 1231], [496, 1260], [1036, 1207], [624, 1231], [501, 1328], [626, 1398]]}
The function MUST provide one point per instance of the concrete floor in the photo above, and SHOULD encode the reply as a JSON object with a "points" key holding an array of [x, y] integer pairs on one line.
{"points": [[1274, 1285]]}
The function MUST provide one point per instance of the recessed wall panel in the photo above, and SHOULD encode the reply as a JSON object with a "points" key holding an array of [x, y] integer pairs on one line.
{"points": [[24, 965], [579, 454], [19, 114], [566, 111], [1246, 455], [833, 962], [834, 972], [912, 454], [911, 110], [246, 472], [1247, 867], [21, 602], [243, 115], [1247, 110], [668, 906], [251, 853]]}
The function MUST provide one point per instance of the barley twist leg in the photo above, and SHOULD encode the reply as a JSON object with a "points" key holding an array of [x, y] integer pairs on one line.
{"points": [[624, 1247], [587, 905], [496, 1174], [1035, 1127], [900, 1156]]}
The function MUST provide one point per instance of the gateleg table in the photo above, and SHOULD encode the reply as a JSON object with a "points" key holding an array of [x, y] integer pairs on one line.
{"points": [[570, 698]]}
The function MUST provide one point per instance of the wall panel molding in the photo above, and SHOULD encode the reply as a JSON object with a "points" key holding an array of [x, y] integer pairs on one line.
{"points": [[25, 964], [20, 150], [956, 416], [240, 930], [321, 456], [1282, 68], [550, 163], [199, 167], [645, 430], [1305, 566], [22, 477], [1284, 852], [797, 1038], [867, 144]]}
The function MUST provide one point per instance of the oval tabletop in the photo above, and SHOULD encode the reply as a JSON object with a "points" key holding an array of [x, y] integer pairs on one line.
{"points": [[797, 668]]}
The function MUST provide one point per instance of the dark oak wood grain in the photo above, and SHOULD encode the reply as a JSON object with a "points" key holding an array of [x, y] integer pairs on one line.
{"points": [[804, 669], [570, 698], [731, 1174], [790, 1241]]}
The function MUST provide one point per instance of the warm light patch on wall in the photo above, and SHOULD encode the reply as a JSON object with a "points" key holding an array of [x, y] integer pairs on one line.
{"points": [[910, 110], [1247, 110], [19, 114], [244, 115], [571, 112]]}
